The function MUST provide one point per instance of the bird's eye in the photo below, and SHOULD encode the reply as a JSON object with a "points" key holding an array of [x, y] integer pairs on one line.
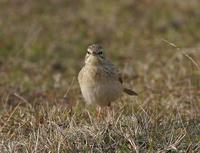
{"points": [[88, 53], [100, 53]]}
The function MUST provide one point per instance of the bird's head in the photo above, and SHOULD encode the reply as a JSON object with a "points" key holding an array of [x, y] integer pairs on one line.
{"points": [[94, 54]]}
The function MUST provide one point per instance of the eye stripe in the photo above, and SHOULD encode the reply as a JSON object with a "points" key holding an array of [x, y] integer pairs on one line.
{"points": [[100, 53]]}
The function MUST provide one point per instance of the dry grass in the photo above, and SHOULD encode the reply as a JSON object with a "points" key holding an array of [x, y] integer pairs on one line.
{"points": [[155, 44]]}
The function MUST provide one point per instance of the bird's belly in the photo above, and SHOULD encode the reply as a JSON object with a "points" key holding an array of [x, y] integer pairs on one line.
{"points": [[101, 94]]}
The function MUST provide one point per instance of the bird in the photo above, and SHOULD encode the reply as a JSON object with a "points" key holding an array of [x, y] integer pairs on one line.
{"points": [[99, 80]]}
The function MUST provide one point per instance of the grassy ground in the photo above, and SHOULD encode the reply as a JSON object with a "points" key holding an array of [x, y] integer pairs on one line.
{"points": [[154, 43]]}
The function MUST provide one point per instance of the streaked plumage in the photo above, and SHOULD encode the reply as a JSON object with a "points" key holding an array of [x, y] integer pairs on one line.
{"points": [[99, 80]]}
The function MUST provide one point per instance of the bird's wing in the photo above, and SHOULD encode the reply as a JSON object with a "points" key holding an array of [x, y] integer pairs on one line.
{"points": [[113, 71]]}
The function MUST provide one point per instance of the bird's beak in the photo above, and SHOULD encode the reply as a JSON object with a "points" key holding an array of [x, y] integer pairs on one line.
{"points": [[93, 53]]}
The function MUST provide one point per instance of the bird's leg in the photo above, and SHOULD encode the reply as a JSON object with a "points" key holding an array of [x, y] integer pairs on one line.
{"points": [[98, 112], [109, 112]]}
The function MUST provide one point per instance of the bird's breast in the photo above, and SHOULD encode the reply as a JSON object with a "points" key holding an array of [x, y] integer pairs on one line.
{"points": [[98, 87], [92, 75]]}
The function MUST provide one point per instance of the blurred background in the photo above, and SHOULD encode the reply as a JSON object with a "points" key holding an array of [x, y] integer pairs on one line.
{"points": [[43, 43]]}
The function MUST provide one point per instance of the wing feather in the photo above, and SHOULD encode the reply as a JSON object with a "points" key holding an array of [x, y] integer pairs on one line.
{"points": [[112, 71]]}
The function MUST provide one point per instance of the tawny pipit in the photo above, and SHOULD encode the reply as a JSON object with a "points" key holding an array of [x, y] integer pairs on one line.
{"points": [[99, 80]]}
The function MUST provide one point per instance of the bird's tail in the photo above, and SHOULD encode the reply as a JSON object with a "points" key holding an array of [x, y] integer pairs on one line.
{"points": [[130, 92]]}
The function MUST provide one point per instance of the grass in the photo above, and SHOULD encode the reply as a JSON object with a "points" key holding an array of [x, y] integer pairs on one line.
{"points": [[156, 46]]}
